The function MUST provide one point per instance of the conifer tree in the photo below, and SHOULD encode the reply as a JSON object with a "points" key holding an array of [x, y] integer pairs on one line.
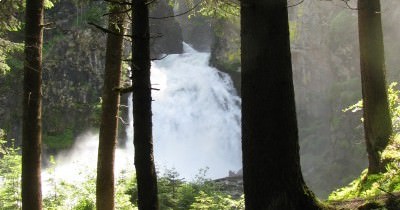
{"points": [[377, 121], [105, 183], [32, 107], [271, 163], [142, 115]]}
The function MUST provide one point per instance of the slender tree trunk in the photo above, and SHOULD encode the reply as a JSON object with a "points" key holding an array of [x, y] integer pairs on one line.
{"points": [[143, 139], [32, 104], [110, 106], [271, 162], [377, 121]]}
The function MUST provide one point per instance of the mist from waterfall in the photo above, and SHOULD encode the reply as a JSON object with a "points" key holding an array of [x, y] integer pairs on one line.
{"points": [[196, 124]]}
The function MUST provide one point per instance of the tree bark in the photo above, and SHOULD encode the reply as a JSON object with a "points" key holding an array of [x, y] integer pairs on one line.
{"points": [[377, 121], [271, 163], [143, 139], [32, 104], [105, 189]]}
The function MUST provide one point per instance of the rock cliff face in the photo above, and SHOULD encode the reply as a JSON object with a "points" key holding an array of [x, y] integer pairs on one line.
{"points": [[11, 102], [73, 80], [73, 70], [232, 185], [166, 30], [225, 48]]}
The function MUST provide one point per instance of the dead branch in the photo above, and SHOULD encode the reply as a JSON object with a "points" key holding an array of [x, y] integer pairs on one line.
{"points": [[296, 4], [158, 59], [118, 2], [107, 30], [180, 14]]}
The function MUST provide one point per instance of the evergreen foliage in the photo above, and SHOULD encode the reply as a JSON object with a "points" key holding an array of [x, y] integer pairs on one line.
{"points": [[11, 16], [8, 48], [220, 8]]}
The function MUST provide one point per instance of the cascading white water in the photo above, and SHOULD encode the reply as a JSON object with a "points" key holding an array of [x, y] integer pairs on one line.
{"points": [[196, 116], [196, 124]]}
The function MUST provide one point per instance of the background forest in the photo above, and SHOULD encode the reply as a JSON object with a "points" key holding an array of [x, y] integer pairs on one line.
{"points": [[326, 73]]}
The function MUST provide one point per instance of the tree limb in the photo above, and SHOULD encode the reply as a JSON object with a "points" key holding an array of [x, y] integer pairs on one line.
{"points": [[348, 5], [180, 14], [150, 2], [121, 12], [123, 90], [158, 59], [296, 4], [118, 2], [107, 30]]}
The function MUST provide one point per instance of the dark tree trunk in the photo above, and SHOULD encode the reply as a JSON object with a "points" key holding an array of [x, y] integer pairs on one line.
{"points": [[377, 122], [143, 139], [271, 162], [32, 104], [110, 107]]}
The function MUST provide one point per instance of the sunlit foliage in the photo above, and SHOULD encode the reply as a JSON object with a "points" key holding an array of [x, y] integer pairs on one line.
{"points": [[220, 8], [394, 105], [12, 14], [214, 8], [10, 175], [7, 48], [389, 181], [11, 20]]}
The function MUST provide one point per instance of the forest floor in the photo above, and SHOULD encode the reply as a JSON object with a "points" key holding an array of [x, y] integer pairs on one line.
{"points": [[389, 201]]}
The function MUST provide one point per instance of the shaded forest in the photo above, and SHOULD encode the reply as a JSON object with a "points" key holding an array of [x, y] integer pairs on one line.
{"points": [[209, 104]]}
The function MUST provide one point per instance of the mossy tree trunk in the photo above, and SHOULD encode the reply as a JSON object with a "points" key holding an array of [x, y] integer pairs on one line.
{"points": [[271, 162], [105, 189], [377, 121], [32, 107], [142, 115]]}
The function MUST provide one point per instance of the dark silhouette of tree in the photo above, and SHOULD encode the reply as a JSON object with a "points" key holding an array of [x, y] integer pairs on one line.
{"points": [[377, 122], [105, 189], [32, 104], [143, 137], [271, 163]]}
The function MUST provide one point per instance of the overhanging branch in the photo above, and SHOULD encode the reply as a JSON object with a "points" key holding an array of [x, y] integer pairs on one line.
{"points": [[177, 15]]}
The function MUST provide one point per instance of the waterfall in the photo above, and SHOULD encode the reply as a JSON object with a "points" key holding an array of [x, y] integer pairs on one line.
{"points": [[196, 116]]}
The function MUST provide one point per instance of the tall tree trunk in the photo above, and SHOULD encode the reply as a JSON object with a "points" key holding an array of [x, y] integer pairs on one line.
{"points": [[32, 104], [143, 139], [271, 162], [377, 122], [110, 107]]}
